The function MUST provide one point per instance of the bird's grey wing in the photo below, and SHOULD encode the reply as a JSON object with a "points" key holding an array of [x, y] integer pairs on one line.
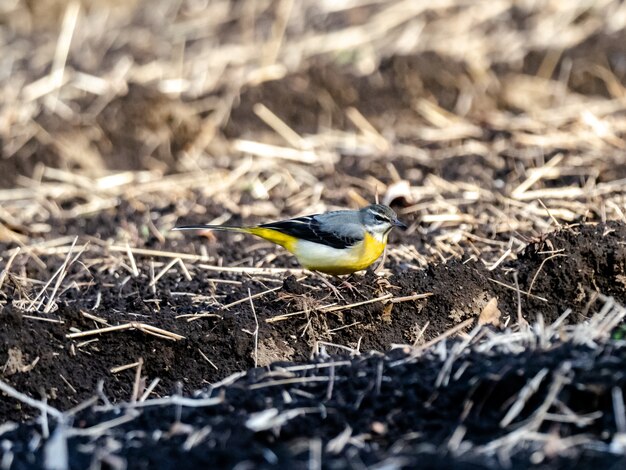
{"points": [[336, 232]]}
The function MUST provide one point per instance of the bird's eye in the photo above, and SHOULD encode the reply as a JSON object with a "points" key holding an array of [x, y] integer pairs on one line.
{"points": [[380, 218]]}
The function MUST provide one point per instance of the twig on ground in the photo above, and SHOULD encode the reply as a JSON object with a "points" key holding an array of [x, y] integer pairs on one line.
{"points": [[149, 329]]}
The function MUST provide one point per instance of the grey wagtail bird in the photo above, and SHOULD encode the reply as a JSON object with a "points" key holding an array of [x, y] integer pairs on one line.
{"points": [[337, 242]]}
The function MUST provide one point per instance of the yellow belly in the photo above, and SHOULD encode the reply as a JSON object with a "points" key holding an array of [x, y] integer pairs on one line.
{"points": [[340, 261], [323, 258]]}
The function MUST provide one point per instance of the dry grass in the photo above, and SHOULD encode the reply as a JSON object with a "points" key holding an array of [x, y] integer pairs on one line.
{"points": [[64, 108]]}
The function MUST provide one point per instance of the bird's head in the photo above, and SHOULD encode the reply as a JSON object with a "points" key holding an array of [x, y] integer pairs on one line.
{"points": [[379, 219]]}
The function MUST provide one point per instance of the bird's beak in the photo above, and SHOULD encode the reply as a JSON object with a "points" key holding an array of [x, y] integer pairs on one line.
{"points": [[400, 225]]}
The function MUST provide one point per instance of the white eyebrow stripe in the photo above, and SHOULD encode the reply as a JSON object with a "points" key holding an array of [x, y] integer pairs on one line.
{"points": [[383, 215]]}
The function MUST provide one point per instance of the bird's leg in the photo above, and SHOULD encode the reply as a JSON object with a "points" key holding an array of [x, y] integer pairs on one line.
{"points": [[329, 285], [351, 287]]}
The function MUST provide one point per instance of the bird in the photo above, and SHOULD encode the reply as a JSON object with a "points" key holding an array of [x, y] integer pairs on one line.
{"points": [[337, 242]]}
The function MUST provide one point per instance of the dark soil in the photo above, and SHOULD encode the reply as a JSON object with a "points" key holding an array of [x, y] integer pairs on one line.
{"points": [[390, 410], [589, 259]]}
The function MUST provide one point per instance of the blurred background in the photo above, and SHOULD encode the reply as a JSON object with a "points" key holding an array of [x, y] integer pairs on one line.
{"points": [[466, 114]]}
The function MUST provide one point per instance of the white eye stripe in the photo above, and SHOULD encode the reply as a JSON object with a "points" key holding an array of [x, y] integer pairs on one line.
{"points": [[379, 216]]}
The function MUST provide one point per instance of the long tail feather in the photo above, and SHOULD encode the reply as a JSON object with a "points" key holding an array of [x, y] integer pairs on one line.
{"points": [[211, 227], [269, 234]]}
